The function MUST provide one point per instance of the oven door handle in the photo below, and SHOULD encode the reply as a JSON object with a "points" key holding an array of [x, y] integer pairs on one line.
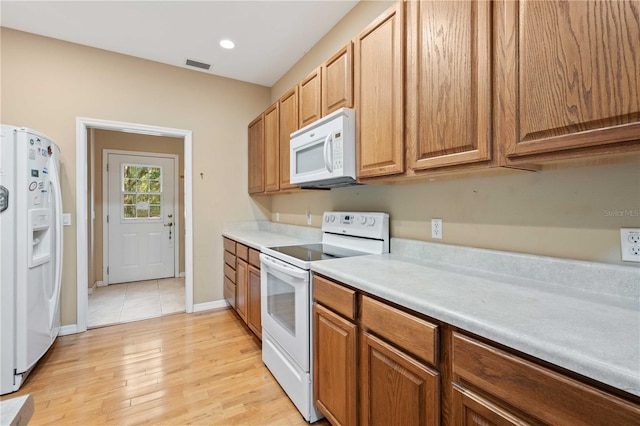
{"points": [[283, 268]]}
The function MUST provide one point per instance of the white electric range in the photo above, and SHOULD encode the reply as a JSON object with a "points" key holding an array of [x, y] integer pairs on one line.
{"points": [[286, 287]]}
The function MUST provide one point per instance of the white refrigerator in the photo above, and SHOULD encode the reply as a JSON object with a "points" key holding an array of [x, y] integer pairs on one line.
{"points": [[30, 251]]}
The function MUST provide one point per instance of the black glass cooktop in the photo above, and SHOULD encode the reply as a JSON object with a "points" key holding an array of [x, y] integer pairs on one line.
{"points": [[319, 251]]}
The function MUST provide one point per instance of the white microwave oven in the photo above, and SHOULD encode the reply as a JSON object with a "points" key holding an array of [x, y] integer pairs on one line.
{"points": [[323, 154]]}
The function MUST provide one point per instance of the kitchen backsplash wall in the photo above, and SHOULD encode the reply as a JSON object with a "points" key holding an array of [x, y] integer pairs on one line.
{"points": [[574, 213]]}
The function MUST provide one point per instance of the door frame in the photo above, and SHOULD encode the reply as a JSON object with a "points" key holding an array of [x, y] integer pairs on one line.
{"points": [[83, 124], [105, 199]]}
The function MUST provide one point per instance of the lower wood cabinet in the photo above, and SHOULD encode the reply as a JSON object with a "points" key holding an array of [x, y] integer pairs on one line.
{"points": [[242, 283], [375, 363], [242, 278], [391, 386], [395, 388], [254, 320], [334, 373], [470, 409], [511, 384]]}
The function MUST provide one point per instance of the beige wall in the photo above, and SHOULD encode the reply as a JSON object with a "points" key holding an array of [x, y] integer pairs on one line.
{"points": [[46, 84], [348, 27], [569, 213], [105, 139]]}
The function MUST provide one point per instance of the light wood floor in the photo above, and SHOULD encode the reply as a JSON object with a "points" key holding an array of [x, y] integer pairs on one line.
{"points": [[203, 368]]}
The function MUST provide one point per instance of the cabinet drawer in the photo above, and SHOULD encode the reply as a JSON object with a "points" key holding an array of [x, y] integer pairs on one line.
{"points": [[230, 292], [254, 257], [536, 390], [242, 252], [229, 245], [230, 259], [230, 273], [335, 296], [411, 333]]}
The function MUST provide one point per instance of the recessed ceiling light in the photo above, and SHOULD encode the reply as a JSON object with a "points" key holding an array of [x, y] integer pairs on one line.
{"points": [[227, 44]]}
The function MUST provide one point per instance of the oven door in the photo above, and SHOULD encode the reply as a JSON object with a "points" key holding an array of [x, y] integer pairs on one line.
{"points": [[285, 307]]}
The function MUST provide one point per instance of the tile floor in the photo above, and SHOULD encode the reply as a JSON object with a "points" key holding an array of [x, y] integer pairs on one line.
{"points": [[134, 301]]}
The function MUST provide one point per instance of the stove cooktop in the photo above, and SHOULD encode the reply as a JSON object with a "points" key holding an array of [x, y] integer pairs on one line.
{"points": [[318, 251]]}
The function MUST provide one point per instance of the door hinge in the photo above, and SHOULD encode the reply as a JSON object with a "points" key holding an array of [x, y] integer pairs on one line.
{"points": [[107, 270], [107, 166], [107, 218]]}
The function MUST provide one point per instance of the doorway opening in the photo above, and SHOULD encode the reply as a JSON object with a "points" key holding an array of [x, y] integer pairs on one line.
{"points": [[136, 237], [167, 248]]}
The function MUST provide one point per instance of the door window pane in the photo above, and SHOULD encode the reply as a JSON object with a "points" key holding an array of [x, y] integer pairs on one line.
{"points": [[141, 191]]}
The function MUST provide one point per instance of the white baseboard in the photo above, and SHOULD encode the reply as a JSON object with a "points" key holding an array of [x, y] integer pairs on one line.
{"points": [[95, 284], [181, 275], [216, 304], [68, 329]]}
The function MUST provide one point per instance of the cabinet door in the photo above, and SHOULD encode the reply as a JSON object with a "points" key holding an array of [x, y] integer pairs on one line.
{"points": [[378, 61], [470, 409], [396, 388], [272, 148], [253, 311], [334, 370], [241, 288], [569, 77], [337, 81], [288, 125], [256, 155], [310, 98], [448, 83]]}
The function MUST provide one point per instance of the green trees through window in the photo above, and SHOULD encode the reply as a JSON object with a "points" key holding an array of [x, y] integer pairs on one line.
{"points": [[141, 192]]}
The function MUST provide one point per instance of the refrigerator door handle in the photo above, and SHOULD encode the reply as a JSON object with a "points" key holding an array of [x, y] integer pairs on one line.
{"points": [[55, 182]]}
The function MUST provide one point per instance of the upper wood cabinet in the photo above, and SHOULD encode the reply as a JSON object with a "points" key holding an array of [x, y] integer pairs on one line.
{"points": [[272, 148], [256, 155], [288, 124], [378, 64], [310, 94], [448, 83], [568, 78], [337, 80]]}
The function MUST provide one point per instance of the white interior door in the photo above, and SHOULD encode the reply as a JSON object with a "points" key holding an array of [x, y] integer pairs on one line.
{"points": [[140, 217]]}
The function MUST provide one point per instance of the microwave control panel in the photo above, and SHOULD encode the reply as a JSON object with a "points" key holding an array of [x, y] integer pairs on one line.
{"points": [[337, 149]]}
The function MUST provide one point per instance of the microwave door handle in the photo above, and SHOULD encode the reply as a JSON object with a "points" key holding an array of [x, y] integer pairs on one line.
{"points": [[327, 147]]}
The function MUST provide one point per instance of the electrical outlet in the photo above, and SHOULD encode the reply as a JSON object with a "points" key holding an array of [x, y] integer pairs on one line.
{"points": [[630, 244], [277, 216], [308, 218], [436, 229]]}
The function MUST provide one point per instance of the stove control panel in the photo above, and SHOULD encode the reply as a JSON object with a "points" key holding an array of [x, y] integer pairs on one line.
{"points": [[360, 224]]}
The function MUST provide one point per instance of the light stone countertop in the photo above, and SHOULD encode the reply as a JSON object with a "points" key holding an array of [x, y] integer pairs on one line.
{"points": [[582, 316], [590, 333], [268, 234]]}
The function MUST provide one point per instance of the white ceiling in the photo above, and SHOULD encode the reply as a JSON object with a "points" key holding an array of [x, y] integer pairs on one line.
{"points": [[270, 36]]}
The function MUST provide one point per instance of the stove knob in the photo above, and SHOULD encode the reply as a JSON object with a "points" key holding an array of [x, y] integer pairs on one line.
{"points": [[363, 220], [326, 218], [371, 221], [333, 218]]}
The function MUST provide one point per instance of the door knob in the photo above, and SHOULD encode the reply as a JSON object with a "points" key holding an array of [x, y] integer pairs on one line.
{"points": [[168, 224], [169, 215]]}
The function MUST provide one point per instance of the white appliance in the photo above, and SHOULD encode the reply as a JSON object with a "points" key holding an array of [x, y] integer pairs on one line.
{"points": [[286, 287], [323, 154], [30, 251]]}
